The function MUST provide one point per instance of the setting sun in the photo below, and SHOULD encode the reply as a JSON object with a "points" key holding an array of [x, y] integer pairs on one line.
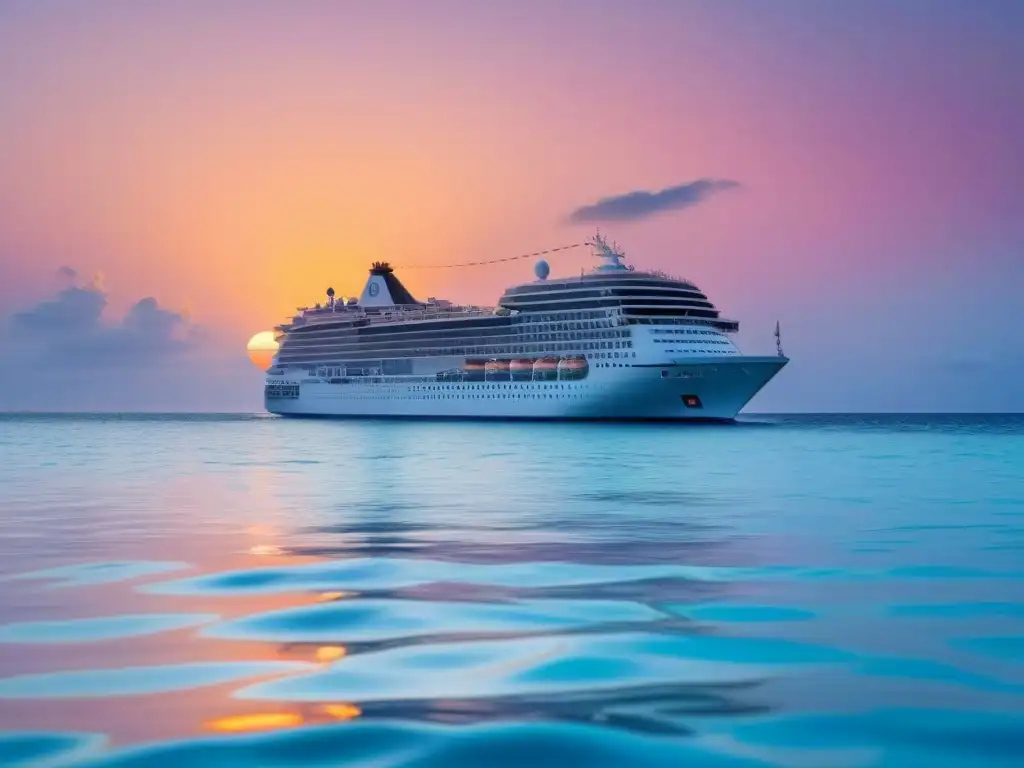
{"points": [[261, 349]]}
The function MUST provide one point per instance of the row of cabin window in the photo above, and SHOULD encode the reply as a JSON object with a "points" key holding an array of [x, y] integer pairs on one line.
{"points": [[337, 371], [330, 371], [462, 328], [685, 331], [518, 324], [690, 349], [599, 316], [488, 386], [617, 284], [303, 343], [457, 397], [359, 396], [497, 396], [531, 329], [458, 351], [692, 341]]}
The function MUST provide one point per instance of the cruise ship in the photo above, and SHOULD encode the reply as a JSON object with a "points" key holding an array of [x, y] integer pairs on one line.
{"points": [[615, 343]]}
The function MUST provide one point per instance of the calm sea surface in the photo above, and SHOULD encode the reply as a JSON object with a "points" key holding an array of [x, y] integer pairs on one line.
{"points": [[236, 591]]}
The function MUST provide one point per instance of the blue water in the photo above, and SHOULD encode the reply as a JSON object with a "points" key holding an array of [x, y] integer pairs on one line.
{"points": [[239, 591]]}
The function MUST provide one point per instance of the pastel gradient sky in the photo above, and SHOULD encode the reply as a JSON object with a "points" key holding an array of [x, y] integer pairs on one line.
{"points": [[177, 176]]}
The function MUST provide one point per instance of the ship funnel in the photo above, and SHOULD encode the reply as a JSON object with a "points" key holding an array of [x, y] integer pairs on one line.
{"points": [[384, 289]]}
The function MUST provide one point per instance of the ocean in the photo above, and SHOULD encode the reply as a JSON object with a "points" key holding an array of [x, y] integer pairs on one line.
{"points": [[253, 591]]}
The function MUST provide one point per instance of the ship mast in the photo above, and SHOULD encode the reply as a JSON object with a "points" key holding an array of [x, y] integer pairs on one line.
{"points": [[609, 253]]}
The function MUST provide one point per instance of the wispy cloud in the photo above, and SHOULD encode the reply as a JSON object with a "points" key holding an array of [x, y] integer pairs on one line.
{"points": [[639, 204]]}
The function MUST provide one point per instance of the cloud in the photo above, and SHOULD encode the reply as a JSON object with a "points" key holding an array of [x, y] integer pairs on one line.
{"points": [[68, 352], [75, 311], [640, 204], [70, 330]]}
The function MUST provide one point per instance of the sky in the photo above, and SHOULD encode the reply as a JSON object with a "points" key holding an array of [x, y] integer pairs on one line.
{"points": [[175, 177]]}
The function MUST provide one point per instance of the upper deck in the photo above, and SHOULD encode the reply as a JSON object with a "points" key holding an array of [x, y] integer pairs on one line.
{"points": [[384, 300], [319, 316], [635, 296]]}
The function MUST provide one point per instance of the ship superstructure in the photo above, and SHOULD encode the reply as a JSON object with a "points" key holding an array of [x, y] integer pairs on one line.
{"points": [[612, 343]]}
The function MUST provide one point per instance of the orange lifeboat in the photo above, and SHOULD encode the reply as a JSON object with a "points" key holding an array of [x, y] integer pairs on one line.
{"points": [[572, 368], [496, 370], [521, 370], [545, 369]]}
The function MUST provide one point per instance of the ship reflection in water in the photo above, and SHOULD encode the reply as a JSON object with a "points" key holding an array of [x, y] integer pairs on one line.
{"points": [[559, 595]]}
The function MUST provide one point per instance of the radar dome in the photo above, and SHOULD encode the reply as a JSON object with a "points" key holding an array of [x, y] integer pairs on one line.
{"points": [[541, 269]]}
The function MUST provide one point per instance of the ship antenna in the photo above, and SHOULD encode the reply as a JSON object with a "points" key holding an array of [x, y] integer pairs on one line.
{"points": [[778, 339], [609, 253]]}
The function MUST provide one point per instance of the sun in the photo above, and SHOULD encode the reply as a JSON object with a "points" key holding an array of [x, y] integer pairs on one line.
{"points": [[261, 349]]}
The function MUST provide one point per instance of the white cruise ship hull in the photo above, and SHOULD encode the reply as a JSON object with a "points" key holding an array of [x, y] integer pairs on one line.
{"points": [[712, 388]]}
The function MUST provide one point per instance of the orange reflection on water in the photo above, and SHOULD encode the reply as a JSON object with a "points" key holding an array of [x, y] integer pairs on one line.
{"points": [[269, 721], [264, 721], [343, 711], [327, 597], [265, 549], [327, 653]]}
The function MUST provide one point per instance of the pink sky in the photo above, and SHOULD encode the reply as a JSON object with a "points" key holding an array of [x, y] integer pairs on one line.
{"points": [[234, 159]]}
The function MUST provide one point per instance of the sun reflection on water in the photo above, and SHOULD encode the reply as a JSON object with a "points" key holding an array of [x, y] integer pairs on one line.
{"points": [[328, 653], [342, 711], [272, 721], [264, 721], [328, 597]]}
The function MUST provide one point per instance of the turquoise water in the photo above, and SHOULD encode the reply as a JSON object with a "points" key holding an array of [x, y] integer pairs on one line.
{"points": [[236, 591]]}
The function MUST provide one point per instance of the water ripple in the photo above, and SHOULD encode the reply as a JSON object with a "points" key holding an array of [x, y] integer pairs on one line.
{"points": [[101, 628], [396, 573], [1002, 648], [386, 745], [742, 613], [42, 749], [135, 681], [376, 620], [91, 574], [887, 736], [804, 592], [530, 666]]}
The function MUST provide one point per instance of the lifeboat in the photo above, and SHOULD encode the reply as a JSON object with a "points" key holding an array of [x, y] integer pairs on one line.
{"points": [[545, 369], [473, 370], [496, 370], [521, 370], [572, 368]]}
